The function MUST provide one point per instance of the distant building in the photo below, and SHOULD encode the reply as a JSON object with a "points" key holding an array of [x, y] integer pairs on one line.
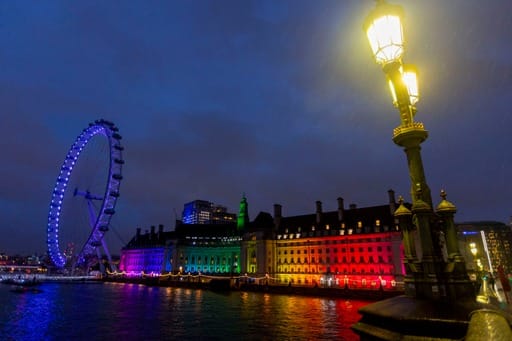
{"points": [[492, 241], [4, 259], [205, 212]]}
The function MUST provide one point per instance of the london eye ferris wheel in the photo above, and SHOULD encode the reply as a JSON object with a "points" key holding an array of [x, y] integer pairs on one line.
{"points": [[84, 197]]}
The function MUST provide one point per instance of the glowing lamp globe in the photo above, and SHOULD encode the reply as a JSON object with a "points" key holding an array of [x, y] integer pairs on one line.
{"points": [[473, 249], [383, 27], [409, 78]]}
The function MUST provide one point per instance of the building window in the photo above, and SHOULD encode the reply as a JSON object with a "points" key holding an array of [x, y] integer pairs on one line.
{"points": [[377, 222], [359, 224]]}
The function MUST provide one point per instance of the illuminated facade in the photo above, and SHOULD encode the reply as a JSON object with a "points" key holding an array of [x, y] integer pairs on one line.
{"points": [[205, 248], [145, 253], [259, 247], [493, 245], [353, 248], [190, 248]]}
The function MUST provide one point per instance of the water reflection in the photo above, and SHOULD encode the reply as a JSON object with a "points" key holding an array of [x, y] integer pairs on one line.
{"points": [[30, 314], [137, 312]]}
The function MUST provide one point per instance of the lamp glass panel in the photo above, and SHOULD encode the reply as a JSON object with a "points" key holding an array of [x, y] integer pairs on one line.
{"points": [[386, 38], [393, 92], [411, 82]]}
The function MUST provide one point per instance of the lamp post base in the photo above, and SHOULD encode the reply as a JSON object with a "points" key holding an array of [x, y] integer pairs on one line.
{"points": [[402, 318]]}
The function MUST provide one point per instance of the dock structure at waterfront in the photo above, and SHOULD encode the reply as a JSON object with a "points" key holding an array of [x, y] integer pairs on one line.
{"points": [[243, 283], [8, 278]]}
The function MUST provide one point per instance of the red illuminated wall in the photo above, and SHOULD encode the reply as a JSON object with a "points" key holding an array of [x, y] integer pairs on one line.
{"points": [[356, 261]]}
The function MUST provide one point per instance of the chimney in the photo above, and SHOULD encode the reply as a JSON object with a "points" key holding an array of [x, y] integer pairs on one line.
{"points": [[352, 206], [160, 230], [318, 212], [340, 209], [137, 233], [277, 215], [152, 232], [392, 202]]}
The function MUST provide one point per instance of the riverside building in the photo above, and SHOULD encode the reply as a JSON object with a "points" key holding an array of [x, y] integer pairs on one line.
{"points": [[350, 247]]}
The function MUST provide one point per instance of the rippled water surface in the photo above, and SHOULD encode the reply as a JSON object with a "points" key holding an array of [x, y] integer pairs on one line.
{"points": [[134, 312]]}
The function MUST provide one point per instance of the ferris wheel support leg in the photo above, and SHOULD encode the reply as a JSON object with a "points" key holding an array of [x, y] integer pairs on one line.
{"points": [[109, 258], [92, 213], [102, 267]]}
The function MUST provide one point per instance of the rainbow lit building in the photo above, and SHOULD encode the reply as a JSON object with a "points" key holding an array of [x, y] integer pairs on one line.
{"points": [[347, 248]]}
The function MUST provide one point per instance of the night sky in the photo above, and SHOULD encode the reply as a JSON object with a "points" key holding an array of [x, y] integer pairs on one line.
{"points": [[280, 100]]}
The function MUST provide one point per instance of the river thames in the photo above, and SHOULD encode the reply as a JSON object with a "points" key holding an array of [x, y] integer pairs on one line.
{"points": [[113, 311]]}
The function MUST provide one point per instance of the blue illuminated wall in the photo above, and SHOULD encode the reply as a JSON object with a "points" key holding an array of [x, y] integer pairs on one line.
{"points": [[147, 260]]}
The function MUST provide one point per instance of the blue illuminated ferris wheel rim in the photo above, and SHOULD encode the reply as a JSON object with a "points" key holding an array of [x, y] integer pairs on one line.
{"points": [[109, 198]]}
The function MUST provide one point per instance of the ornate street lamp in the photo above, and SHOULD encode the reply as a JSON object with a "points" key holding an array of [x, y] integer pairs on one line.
{"points": [[437, 285], [432, 276]]}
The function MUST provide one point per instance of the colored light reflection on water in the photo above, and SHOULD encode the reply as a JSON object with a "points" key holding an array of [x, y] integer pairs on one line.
{"points": [[137, 312]]}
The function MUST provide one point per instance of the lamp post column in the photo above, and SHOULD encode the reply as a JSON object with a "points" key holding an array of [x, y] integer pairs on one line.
{"points": [[410, 137]]}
